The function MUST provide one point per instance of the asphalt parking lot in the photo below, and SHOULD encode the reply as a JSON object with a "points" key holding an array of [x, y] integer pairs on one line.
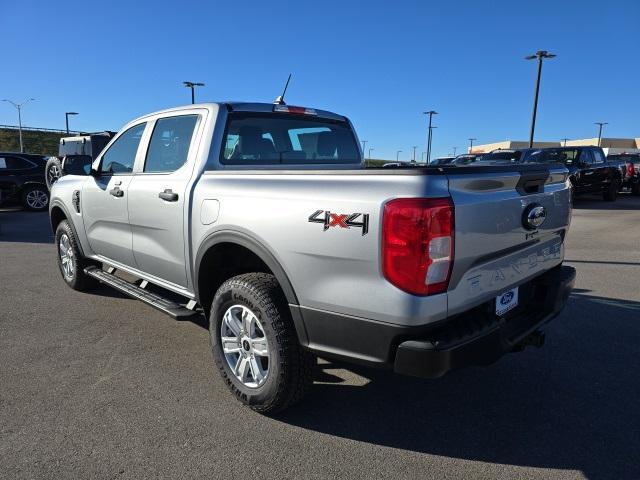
{"points": [[101, 386]]}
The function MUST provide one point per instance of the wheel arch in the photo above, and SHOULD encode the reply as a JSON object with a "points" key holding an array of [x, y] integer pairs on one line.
{"points": [[38, 183], [238, 243], [58, 213]]}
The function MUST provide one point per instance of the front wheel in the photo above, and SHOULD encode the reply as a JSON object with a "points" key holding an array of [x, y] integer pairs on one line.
{"points": [[611, 193], [70, 259], [255, 345]]}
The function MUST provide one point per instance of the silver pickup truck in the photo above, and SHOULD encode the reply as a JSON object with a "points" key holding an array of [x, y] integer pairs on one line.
{"points": [[263, 218]]}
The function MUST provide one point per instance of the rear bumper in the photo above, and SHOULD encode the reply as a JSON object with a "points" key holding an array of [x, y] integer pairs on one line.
{"points": [[475, 337], [464, 342]]}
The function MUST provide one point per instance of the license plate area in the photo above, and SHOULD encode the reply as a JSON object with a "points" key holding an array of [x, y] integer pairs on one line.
{"points": [[506, 301]]}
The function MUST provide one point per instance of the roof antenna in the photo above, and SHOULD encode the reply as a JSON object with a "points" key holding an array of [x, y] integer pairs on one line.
{"points": [[280, 99]]}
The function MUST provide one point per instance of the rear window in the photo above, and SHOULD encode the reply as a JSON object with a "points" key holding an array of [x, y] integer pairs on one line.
{"points": [[276, 138]]}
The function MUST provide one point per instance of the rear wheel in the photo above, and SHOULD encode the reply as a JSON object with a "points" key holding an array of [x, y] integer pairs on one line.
{"points": [[255, 345], [611, 193], [53, 171], [635, 188], [70, 259], [35, 198]]}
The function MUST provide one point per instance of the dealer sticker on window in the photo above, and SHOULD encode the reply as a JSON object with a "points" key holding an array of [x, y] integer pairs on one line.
{"points": [[506, 301]]}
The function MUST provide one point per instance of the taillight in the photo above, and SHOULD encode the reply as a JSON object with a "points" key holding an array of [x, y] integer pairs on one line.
{"points": [[631, 171], [417, 244]]}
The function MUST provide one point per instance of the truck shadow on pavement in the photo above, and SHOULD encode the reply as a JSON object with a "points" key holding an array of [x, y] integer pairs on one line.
{"points": [[20, 226], [570, 405], [625, 201]]}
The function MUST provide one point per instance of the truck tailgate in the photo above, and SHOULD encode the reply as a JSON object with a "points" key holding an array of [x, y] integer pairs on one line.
{"points": [[495, 246]]}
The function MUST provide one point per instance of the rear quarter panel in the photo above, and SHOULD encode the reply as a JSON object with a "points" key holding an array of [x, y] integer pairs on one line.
{"points": [[337, 269]]}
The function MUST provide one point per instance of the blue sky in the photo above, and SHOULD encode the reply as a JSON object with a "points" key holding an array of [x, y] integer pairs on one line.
{"points": [[381, 63]]}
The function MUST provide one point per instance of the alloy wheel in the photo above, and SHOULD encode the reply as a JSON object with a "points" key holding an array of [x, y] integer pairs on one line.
{"points": [[54, 173], [37, 199], [66, 256], [245, 346]]}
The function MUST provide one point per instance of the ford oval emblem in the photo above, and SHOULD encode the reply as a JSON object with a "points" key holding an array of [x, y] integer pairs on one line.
{"points": [[534, 216], [506, 298]]}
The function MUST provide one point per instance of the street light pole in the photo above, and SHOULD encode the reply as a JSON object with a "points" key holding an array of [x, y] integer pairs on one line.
{"points": [[540, 55], [370, 148], [454, 151], [471, 140], [192, 86], [564, 141], [431, 113], [19, 108], [414, 153], [600, 124], [66, 118], [398, 155], [364, 145]]}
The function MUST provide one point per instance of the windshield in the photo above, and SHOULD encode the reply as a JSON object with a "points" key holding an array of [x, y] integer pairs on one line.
{"points": [[502, 155], [465, 159], [553, 155], [442, 161], [277, 138]]}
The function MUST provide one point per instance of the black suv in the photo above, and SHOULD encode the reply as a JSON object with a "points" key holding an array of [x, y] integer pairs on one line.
{"points": [[22, 180], [589, 171], [629, 164]]}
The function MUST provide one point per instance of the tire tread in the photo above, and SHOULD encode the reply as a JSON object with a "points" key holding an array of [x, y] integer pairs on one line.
{"points": [[296, 364]]}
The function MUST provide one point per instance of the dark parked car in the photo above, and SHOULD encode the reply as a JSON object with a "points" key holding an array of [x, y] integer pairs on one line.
{"points": [[629, 165], [22, 180], [589, 170]]}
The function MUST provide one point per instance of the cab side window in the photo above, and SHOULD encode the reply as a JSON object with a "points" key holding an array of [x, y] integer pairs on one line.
{"points": [[14, 163], [169, 145], [598, 157], [120, 157], [585, 157]]}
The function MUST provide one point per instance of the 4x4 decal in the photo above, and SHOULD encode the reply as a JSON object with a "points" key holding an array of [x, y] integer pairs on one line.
{"points": [[342, 220]]}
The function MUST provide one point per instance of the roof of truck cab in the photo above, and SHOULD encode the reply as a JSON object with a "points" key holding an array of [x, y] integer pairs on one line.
{"points": [[268, 108], [245, 107]]}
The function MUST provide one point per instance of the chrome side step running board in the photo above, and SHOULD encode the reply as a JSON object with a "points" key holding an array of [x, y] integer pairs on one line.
{"points": [[139, 292]]}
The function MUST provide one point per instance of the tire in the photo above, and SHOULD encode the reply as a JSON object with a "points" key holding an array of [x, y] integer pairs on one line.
{"points": [[285, 374], [611, 193], [72, 269], [52, 171], [635, 189], [35, 198]]}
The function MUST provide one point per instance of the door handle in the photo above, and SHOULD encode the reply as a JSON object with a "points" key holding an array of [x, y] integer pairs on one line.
{"points": [[116, 192], [168, 195], [588, 173]]}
